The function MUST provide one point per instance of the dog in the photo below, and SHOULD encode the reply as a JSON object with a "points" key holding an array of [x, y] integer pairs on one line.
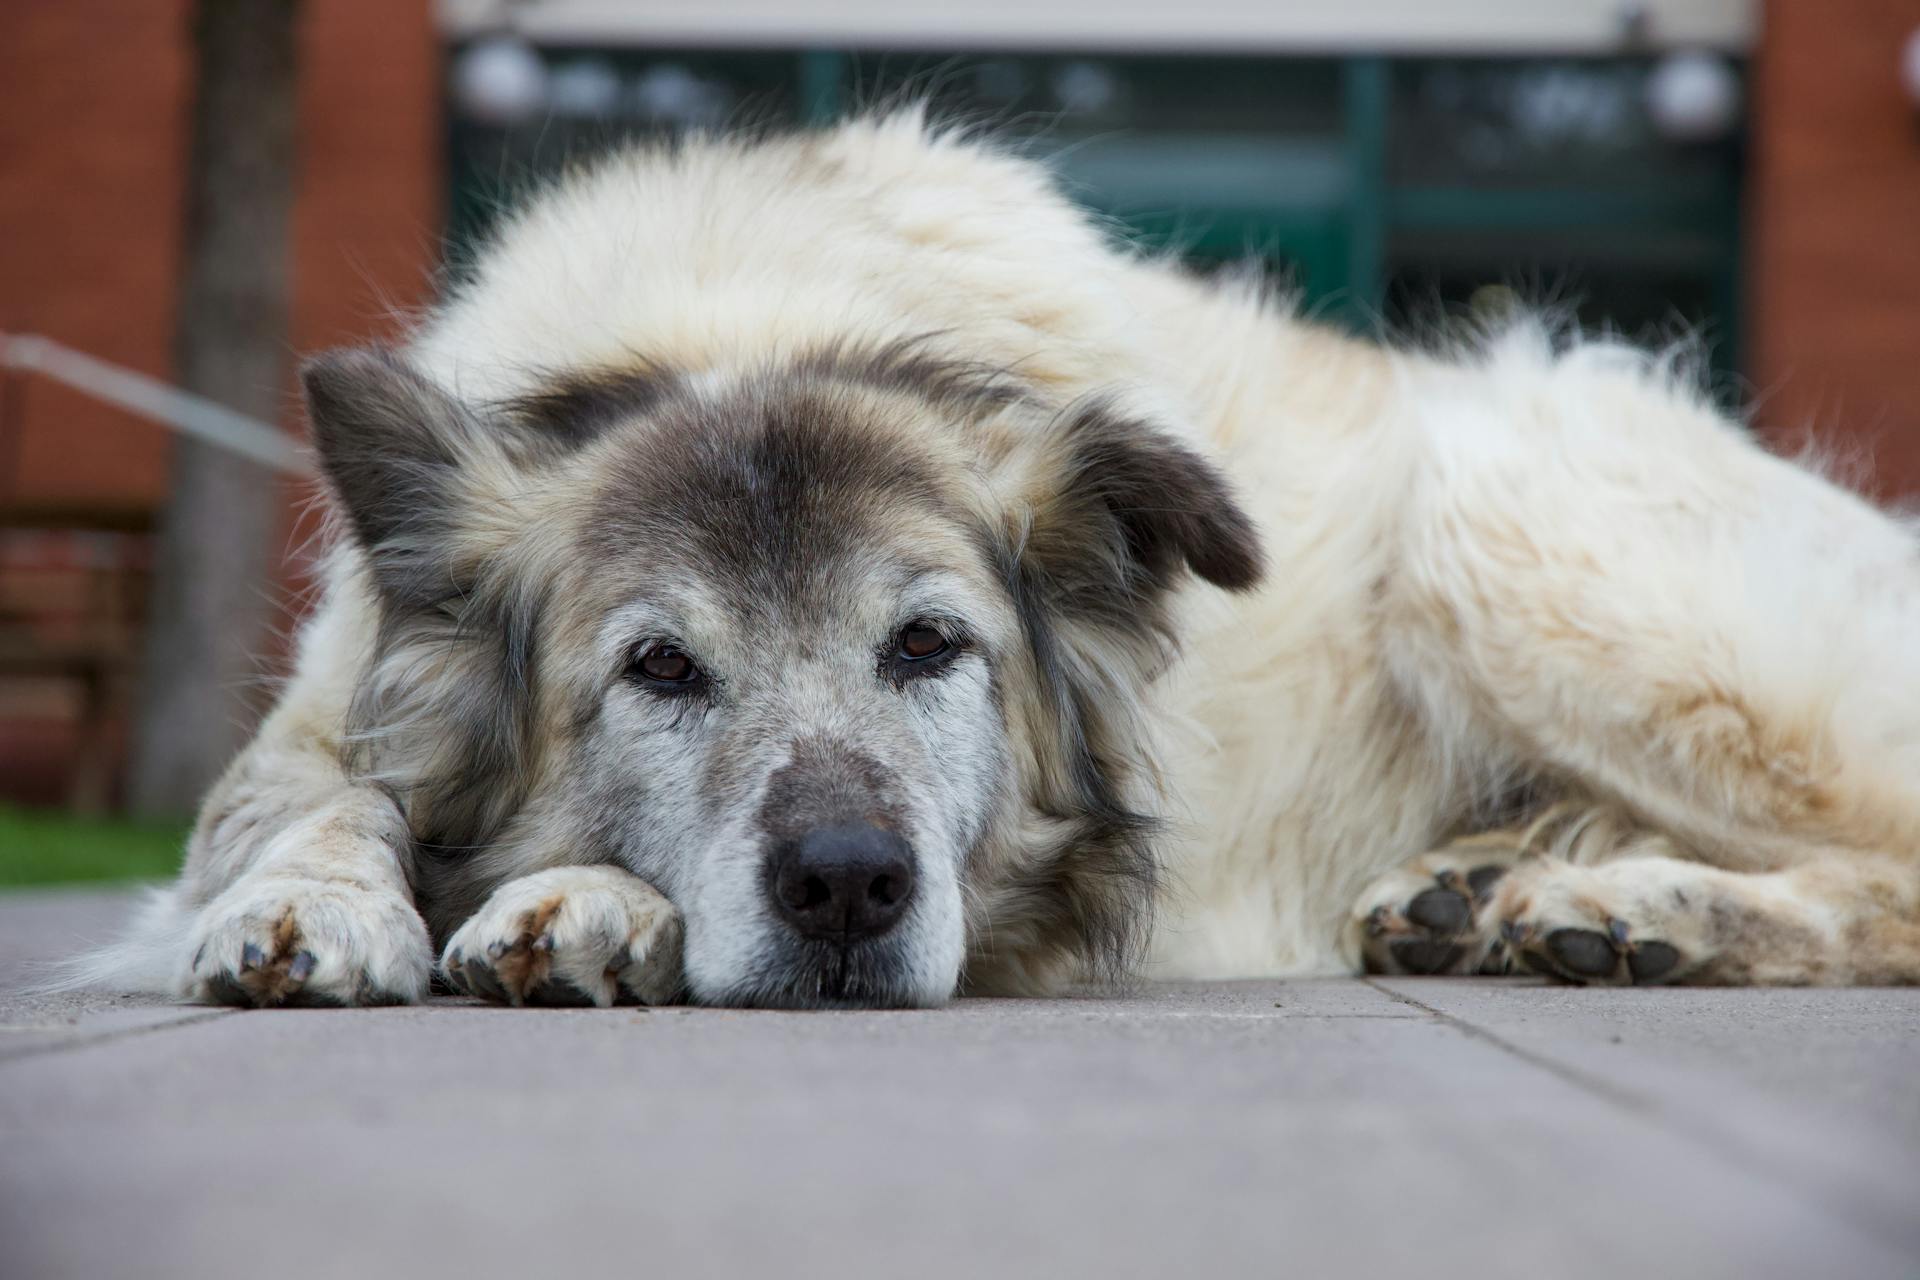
{"points": [[828, 570]]}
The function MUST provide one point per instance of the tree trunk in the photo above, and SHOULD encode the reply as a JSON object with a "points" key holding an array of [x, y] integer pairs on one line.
{"points": [[220, 534]]}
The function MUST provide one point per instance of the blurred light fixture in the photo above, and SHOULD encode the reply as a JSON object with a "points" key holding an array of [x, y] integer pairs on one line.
{"points": [[1085, 86], [585, 87], [1910, 66], [1693, 97], [668, 93], [500, 80]]}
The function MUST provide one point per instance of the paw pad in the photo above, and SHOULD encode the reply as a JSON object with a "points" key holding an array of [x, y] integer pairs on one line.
{"points": [[1441, 911], [1425, 956], [1434, 930], [1589, 955], [1652, 961], [1582, 952]]}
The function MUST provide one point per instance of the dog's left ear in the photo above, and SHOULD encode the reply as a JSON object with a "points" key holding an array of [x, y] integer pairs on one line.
{"points": [[1117, 509], [1105, 514]]}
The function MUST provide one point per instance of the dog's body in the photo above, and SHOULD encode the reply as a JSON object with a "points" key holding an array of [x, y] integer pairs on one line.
{"points": [[1660, 689]]}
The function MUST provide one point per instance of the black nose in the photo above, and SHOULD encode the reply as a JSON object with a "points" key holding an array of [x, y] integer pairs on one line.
{"points": [[843, 883]]}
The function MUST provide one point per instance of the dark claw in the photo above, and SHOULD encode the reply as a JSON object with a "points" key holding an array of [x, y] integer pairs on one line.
{"points": [[1377, 921], [1482, 879], [252, 957], [301, 967], [1617, 930], [1441, 911], [1423, 955], [1651, 961], [1582, 952], [224, 990], [480, 981], [498, 948], [1515, 932], [543, 943]]}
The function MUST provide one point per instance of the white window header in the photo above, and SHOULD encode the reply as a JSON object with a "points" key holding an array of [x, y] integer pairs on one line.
{"points": [[1146, 26]]}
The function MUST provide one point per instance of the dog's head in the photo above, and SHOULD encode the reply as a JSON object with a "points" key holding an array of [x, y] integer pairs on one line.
{"points": [[846, 656]]}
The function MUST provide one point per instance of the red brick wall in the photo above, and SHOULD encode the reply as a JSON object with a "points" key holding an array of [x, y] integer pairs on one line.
{"points": [[91, 157], [92, 152], [1835, 266]]}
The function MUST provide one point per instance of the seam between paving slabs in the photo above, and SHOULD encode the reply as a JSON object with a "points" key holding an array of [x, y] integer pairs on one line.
{"points": [[1705, 1137], [1598, 1085], [88, 1041]]}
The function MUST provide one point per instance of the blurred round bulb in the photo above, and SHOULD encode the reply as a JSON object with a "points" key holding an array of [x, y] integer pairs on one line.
{"points": [[500, 80], [670, 92], [1693, 97], [584, 87], [1085, 86]]}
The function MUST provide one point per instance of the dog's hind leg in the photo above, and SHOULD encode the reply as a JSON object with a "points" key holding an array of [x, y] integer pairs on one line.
{"points": [[1589, 896], [1605, 582], [1437, 914], [1834, 920]]}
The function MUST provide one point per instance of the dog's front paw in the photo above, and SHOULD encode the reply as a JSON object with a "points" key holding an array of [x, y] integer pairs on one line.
{"points": [[278, 940], [569, 936]]}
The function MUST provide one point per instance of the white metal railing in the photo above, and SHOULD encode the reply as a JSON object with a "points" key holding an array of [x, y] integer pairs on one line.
{"points": [[136, 392]]}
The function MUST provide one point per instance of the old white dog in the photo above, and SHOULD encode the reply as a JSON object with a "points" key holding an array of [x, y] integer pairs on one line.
{"points": [[827, 570]]}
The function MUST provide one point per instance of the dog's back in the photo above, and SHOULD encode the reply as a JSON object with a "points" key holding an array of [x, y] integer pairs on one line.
{"points": [[729, 252]]}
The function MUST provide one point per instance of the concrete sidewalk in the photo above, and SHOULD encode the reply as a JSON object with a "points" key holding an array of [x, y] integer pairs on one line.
{"points": [[1472, 1127]]}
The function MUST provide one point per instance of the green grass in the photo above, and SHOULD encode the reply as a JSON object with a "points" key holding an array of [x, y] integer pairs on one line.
{"points": [[41, 848]]}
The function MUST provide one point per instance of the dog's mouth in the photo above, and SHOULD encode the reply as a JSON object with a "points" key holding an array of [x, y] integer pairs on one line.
{"points": [[822, 975]]}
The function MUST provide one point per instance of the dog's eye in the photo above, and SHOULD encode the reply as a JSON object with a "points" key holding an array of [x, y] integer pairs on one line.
{"points": [[919, 642], [665, 664]]}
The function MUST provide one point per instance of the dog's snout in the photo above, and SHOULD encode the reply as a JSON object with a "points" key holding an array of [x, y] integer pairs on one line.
{"points": [[843, 883]]}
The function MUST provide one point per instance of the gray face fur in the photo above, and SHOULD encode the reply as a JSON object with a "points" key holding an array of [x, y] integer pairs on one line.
{"points": [[798, 724], [767, 542]]}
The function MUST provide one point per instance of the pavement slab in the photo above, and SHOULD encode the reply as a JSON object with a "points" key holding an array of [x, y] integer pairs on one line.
{"points": [[1472, 1127]]}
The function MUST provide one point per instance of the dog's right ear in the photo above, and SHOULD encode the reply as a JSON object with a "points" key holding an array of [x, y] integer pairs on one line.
{"points": [[448, 697], [391, 445]]}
